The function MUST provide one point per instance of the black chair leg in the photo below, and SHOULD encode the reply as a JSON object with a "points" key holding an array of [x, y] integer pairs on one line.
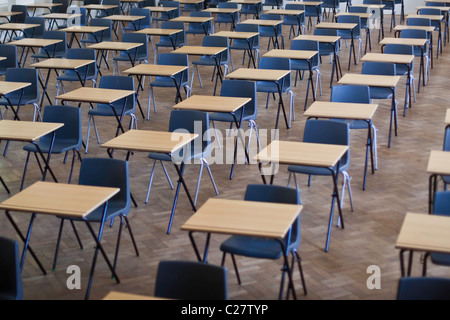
{"points": [[236, 269], [424, 268], [131, 235], [299, 262]]}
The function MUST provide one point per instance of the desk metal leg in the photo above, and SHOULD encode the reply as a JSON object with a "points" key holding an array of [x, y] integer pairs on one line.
{"points": [[238, 126], [432, 188], [393, 117], [281, 104], [369, 149], [335, 197]]}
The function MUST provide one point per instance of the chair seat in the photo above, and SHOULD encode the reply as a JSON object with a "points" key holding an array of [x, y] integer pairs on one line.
{"points": [[380, 93], [106, 110], [115, 208], [267, 86], [71, 75], [207, 61], [354, 124], [124, 57], [165, 82], [43, 55], [226, 117], [252, 247], [440, 258], [160, 156], [58, 147]]}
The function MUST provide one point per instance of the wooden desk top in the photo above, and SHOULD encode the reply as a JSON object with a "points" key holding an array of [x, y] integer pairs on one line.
{"points": [[388, 57], [125, 18], [114, 45], [442, 8], [302, 153], [84, 29], [159, 31], [339, 110], [257, 74], [236, 34], [9, 86], [369, 80], [324, 39], [264, 23], [3, 58], [61, 199], [61, 16], [189, 1], [336, 25], [95, 95], [424, 232], [43, 5], [200, 50], [291, 54], [222, 10], [5, 14], [160, 9], [447, 117], [309, 3], [400, 27], [362, 15], [34, 42], [408, 41], [426, 16], [155, 70], [439, 162], [99, 6], [27, 131], [192, 19], [247, 218], [246, 1], [372, 6], [150, 141], [18, 26], [114, 295], [286, 12], [212, 103], [440, 1], [59, 63]]}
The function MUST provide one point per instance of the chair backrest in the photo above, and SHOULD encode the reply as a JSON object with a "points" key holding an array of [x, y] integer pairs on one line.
{"points": [[121, 83], [142, 51], [423, 288], [277, 194], [350, 19], [61, 47], [173, 4], [372, 2], [105, 35], [62, 8], [413, 33], [180, 38], [176, 59], [329, 132], [269, 31], [242, 89], [11, 287], [20, 18], [197, 27], [85, 54], [24, 75], [311, 45], [326, 48], [430, 11], [107, 172], [146, 22], [417, 21], [113, 11], [350, 93], [399, 49], [191, 280], [71, 117], [244, 27], [10, 52], [441, 203], [191, 121], [357, 9], [79, 21], [275, 63], [447, 140], [378, 68], [35, 32], [147, 3], [288, 19], [217, 41]]}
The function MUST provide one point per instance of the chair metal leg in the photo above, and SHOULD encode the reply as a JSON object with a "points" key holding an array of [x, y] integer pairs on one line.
{"points": [[150, 182]]}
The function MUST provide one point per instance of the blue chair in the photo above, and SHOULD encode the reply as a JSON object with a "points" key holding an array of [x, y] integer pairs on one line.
{"points": [[110, 12], [191, 280], [270, 87], [423, 288], [140, 24], [177, 40], [187, 120], [294, 21], [58, 50], [251, 9], [191, 7], [11, 286], [356, 94], [420, 34], [446, 147], [105, 172], [225, 17], [329, 132], [139, 54], [67, 138], [166, 16], [441, 207], [10, 52], [170, 59], [436, 24], [90, 71], [261, 248], [20, 18], [272, 33], [273, 3], [347, 35], [223, 58], [327, 49], [199, 28], [30, 94], [364, 24], [62, 8], [313, 12], [36, 32], [301, 65], [239, 44], [243, 89], [80, 21], [104, 110], [105, 35], [332, 6], [390, 6]]}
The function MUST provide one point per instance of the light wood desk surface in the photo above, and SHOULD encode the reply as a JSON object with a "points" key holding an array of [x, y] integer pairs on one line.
{"points": [[246, 1], [59, 63], [439, 162], [407, 41], [115, 295], [159, 31], [221, 10], [439, 1], [189, 1], [371, 6], [302, 153], [369, 80], [388, 57], [247, 218], [84, 29], [61, 16], [212, 103], [200, 50], [236, 34], [401, 27], [319, 38], [286, 12], [155, 70], [264, 23], [150, 141], [34, 42], [160, 9], [309, 3], [189, 19], [291, 54], [124, 18], [18, 26], [9, 86], [68, 200], [340, 110], [27, 131], [424, 232], [258, 74], [99, 6], [362, 15], [95, 95], [336, 25], [114, 45], [5, 14], [442, 8]]}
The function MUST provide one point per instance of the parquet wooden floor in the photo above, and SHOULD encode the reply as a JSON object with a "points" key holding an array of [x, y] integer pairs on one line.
{"points": [[399, 185]]}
